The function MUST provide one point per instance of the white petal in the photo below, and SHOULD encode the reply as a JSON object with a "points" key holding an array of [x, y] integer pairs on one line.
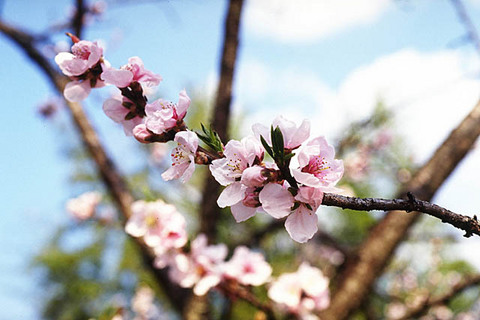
{"points": [[301, 225], [231, 195], [77, 91], [241, 212], [276, 200], [306, 178], [205, 284]]}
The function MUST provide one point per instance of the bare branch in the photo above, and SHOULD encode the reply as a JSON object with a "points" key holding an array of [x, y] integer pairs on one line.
{"points": [[373, 255], [465, 223], [430, 302], [469, 26]]}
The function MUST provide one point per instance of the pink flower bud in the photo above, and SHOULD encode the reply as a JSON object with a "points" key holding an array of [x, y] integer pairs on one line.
{"points": [[141, 133]]}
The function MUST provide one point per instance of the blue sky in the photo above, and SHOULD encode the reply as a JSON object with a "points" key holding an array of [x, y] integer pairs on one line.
{"points": [[329, 63]]}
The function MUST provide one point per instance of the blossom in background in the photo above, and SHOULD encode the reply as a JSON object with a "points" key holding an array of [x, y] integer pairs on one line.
{"points": [[183, 157], [301, 292], [164, 115], [247, 267], [293, 137], [84, 66], [133, 71], [318, 166], [122, 110], [160, 224], [201, 268], [158, 152], [143, 304], [228, 171], [84, 206]]}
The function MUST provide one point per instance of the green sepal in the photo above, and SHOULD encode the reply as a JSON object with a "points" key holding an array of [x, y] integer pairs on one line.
{"points": [[266, 146], [211, 139]]}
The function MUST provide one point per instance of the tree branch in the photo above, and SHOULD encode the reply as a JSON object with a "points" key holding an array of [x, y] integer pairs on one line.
{"points": [[106, 168], [375, 252], [430, 302], [465, 223], [221, 114]]}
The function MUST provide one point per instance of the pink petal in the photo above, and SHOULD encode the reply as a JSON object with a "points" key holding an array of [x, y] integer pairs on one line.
{"points": [[114, 110], [205, 284], [183, 104], [301, 225], [307, 179], [276, 200], [119, 78], [241, 212], [76, 91], [231, 195]]}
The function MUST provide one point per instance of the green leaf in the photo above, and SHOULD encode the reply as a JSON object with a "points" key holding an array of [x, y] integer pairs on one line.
{"points": [[211, 138], [266, 146]]}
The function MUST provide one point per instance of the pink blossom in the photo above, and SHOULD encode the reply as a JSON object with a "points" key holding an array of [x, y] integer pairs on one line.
{"points": [[301, 223], [84, 66], [202, 268], [161, 225], [83, 207], [141, 133], [247, 267], [119, 110], [239, 155], [293, 137], [253, 177], [318, 168], [164, 115], [301, 292], [183, 157], [143, 304], [133, 71], [85, 55]]}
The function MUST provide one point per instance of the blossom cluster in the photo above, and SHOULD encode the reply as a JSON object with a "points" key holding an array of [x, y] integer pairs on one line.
{"points": [[251, 184]]}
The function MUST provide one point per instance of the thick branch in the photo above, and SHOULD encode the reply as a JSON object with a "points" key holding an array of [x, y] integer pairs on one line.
{"points": [[375, 252], [465, 223], [422, 308]]}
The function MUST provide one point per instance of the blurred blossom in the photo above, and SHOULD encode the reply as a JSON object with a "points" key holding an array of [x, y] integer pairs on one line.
{"points": [[442, 313], [357, 165], [158, 152], [395, 310], [301, 292], [382, 139], [247, 267], [404, 175], [201, 268], [143, 304], [83, 207], [330, 254]]}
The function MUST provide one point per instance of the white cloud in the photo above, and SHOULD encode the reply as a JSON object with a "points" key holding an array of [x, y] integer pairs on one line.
{"points": [[309, 20]]}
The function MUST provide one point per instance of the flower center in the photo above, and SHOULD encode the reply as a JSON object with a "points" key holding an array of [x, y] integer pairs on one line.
{"points": [[151, 220], [317, 166], [179, 156]]}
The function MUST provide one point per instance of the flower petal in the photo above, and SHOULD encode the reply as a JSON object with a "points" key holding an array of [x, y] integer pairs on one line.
{"points": [[76, 91], [276, 200], [231, 195], [301, 225], [241, 212]]}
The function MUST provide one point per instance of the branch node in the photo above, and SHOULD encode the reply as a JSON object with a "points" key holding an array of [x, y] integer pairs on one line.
{"points": [[412, 200]]}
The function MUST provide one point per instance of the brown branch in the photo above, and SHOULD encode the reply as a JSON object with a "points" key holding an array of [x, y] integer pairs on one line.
{"points": [[375, 252], [107, 170], [465, 223], [78, 18], [221, 114], [417, 311]]}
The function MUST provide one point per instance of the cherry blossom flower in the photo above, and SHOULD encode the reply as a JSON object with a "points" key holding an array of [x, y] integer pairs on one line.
{"points": [[133, 71], [301, 223], [293, 137], [239, 155], [160, 224], [247, 267], [85, 55], [164, 115], [301, 292], [318, 168], [183, 157], [84, 206], [202, 268], [143, 304], [120, 109], [84, 66]]}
